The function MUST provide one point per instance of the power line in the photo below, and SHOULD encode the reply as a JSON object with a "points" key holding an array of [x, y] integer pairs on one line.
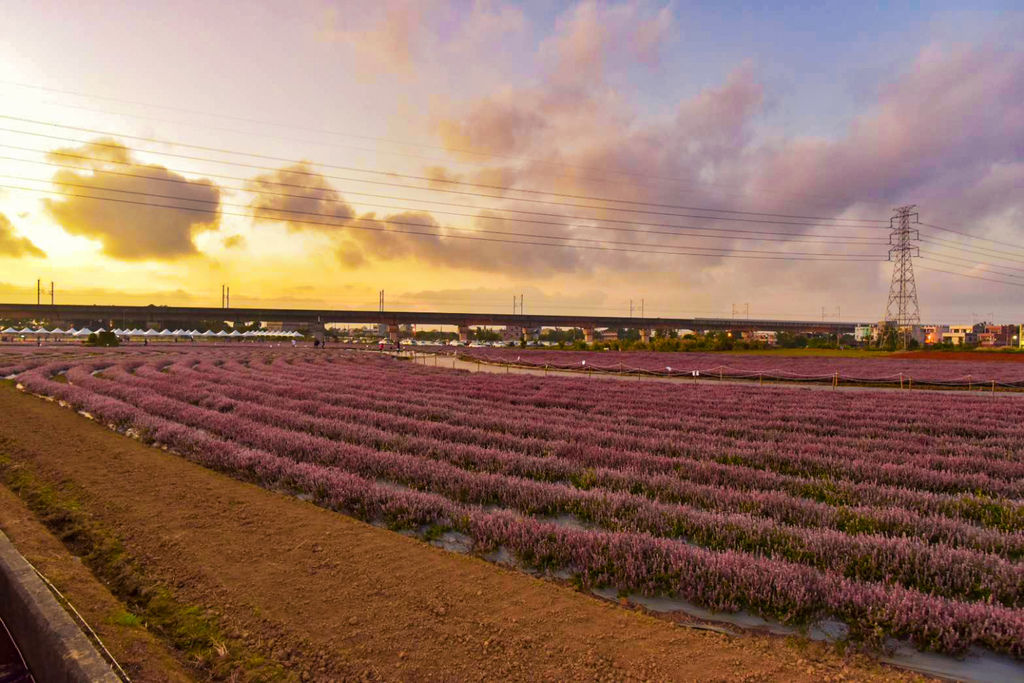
{"points": [[216, 204], [969, 262], [980, 251], [429, 201], [973, 237], [701, 184], [315, 174], [502, 188], [444, 235], [973, 277], [774, 236]]}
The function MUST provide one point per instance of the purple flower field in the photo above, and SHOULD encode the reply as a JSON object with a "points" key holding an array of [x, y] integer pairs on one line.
{"points": [[899, 514], [883, 370]]}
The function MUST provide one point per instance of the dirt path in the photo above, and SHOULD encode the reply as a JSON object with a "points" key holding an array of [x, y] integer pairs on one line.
{"points": [[141, 655], [330, 597]]}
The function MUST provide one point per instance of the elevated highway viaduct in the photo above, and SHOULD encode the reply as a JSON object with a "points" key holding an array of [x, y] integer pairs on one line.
{"points": [[112, 315]]}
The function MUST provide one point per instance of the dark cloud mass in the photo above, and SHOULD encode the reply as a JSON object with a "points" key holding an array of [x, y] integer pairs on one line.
{"points": [[304, 200], [299, 197], [130, 231], [12, 245]]}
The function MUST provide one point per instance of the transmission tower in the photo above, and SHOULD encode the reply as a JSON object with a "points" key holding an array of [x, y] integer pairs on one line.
{"points": [[902, 309]]}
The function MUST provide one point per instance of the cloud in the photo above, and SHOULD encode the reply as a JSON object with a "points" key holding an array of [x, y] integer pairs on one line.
{"points": [[388, 43], [234, 241], [397, 36], [945, 132], [937, 135], [128, 229], [299, 197], [13, 246], [591, 35], [480, 247], [500, 125], [360, 240]]}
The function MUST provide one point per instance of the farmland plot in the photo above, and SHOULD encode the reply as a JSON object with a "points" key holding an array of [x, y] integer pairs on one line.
{"points": [[899, 515], [893, 371]]}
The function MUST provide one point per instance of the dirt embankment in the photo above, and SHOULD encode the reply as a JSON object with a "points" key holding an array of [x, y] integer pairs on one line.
{"points": [[328, 597]]}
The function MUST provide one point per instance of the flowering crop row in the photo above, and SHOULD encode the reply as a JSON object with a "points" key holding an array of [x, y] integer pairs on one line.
{"points": [[887, 370], [909, 559], [456, 445]]}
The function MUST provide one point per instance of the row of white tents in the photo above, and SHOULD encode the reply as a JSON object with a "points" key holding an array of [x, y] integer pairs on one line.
{"points": [[85, 332]]}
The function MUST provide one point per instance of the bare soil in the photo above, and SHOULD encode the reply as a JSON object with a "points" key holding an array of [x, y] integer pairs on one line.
{"points": [[139, 653], [331, 598]]}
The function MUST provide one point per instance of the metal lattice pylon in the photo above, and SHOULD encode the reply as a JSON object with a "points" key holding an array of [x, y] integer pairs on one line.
{"points": [[902, 309]]}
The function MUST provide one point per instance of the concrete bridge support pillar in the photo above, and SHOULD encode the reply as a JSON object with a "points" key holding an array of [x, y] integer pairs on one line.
{"points": [[317, 331], [588, 335], [394, 333], [645, 335], [464, 334]]}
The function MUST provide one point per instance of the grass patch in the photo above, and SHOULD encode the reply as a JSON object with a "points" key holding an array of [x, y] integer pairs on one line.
{"points": [[190, 629], [127, 619]]}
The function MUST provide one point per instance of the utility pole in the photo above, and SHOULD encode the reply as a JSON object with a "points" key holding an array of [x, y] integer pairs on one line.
{"points": [[51, 292], [222, 296], [514, 302], [630, 308], [521, 311], [39, 291], [227, 297], [902, 307]]}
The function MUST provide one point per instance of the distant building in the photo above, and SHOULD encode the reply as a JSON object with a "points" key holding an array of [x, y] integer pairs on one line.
{"points": [[958, 335], [986, 338], [933, 333], [1003, 335], [863, 333], [915, 332]]}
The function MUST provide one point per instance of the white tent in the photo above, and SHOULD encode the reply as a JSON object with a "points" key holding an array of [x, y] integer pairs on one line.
{"points": [[165, 333], [84, 332], [222, 333], [207, 333], [57, 330], [102, 329], [26, 330], [9, 330], [150, 333], [235, 333], [179, 332]]}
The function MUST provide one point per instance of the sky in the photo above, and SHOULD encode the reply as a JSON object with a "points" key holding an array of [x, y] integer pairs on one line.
{"points": [[704, 159]]}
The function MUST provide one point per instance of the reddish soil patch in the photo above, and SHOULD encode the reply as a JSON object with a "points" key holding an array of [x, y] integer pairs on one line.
{"points": [[332, 598]]}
